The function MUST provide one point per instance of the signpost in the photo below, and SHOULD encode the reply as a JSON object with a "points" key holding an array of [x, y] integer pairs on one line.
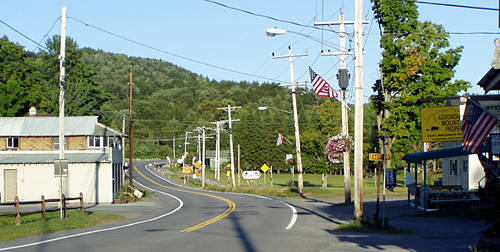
{"points": [[61, 169], [264, 168]]}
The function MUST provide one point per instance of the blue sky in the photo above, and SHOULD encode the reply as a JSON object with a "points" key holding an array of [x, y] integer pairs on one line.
{"points": [[234, 40]]}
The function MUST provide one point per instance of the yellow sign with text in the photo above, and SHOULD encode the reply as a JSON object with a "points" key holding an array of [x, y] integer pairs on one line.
{"points": [[441, 124], [187, 169]]}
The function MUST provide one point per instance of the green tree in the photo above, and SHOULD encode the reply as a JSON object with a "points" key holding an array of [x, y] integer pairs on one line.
{"points": [[83, 95], [415, 65], [15, 82]]}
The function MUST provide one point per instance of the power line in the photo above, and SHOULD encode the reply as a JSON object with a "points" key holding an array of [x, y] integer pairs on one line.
{"points": [[52, 76], [170, 53], [452, 5], [445, 33], [20, 33], [50, 30], [264, 16]]}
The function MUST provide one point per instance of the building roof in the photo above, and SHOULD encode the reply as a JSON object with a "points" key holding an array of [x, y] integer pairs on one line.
{"points": [[491, 80], [49, 126], [49, 158], [457, 151]]}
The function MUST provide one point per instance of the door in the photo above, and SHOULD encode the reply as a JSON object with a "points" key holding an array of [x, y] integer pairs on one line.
{"points": [[10, 182]]}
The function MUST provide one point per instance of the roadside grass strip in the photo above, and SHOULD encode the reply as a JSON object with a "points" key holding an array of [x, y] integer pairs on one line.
{"points": [[104, 229]]}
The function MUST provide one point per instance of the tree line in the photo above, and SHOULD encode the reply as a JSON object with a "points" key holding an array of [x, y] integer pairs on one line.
{"points": [[170, 100]]}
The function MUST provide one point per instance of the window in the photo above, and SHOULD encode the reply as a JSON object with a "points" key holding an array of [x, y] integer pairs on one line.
{"points": [[465, 165], [98, 142], [453, 167], [13, 142]]}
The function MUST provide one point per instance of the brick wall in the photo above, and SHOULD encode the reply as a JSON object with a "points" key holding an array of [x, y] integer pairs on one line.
{"points": [[77, 142], [45, 143]]}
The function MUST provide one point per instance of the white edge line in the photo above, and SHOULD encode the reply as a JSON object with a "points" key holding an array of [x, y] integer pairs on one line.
{"points": [[105, 229], [294, 211]]}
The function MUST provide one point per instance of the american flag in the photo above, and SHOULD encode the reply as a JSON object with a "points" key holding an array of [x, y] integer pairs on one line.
{"points": [[322, 88], [281, 140], [477, 124]]}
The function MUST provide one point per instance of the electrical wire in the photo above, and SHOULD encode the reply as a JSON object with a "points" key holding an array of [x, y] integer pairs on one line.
{"points": [[171, 53], [452, 5], [26, 37], [264, 16], [50, 30], [52, 76]]}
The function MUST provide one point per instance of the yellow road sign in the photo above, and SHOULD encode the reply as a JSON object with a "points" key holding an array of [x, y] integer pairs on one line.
{"points": [[187, 169], [374, 156], [264, 168], [441, 124]]}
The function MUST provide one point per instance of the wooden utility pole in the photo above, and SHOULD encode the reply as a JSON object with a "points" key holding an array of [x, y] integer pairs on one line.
{"points": [[229, 109], [173, 146], [358, 116], [343, 78], [131, 127], [62, 87]]}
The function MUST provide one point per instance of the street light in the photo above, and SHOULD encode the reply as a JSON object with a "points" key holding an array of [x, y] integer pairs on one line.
{"points": [[271, 32], [343, 78], [266, 108]]}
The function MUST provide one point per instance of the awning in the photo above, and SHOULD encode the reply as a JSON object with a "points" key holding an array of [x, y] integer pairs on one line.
{"points": [[457, 151]]}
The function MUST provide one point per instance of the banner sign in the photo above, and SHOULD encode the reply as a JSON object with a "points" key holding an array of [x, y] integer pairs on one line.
{"points": [[391, 179], [441, 124]]}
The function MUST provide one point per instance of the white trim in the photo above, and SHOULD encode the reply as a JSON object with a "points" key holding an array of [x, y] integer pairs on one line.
{"points": [[110, 129], [101, 142], [93, 150], [12, 147]]}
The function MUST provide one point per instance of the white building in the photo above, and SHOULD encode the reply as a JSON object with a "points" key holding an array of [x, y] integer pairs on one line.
{"points": [[29, 146]]}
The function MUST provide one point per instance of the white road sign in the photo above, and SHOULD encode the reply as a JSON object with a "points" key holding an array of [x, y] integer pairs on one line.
{"points": [[250, 174]]}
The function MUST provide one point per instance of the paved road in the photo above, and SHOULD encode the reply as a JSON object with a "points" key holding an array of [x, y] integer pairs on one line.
{"points": [[182, 219]]}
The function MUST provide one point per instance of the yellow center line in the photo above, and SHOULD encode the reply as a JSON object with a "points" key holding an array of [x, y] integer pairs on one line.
{"points": [[232, 205]]}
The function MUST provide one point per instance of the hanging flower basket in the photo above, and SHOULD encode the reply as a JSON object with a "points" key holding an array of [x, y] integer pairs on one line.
{"points": [[336, 146]]}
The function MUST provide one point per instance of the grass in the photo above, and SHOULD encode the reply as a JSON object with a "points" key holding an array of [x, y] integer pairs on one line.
{"points": [[126, 194], [281, 185], [371, 226], [34, 225]]}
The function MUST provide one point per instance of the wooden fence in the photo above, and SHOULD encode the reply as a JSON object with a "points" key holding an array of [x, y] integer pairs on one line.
{"points": [[43, 210]]}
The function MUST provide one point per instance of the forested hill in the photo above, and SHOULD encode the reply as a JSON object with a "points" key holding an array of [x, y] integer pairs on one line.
{"points": [[170, 101]]}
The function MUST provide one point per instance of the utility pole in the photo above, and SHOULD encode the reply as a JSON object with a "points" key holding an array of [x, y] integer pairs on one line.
{"points": [[203, 129], [229, 109], [290, 57], [186, 143], [199, 143], [62, 86], [217, 148], [343, 77], [239, 163], [123, 151], [358, 117], [131, 128], [173, 146]]}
